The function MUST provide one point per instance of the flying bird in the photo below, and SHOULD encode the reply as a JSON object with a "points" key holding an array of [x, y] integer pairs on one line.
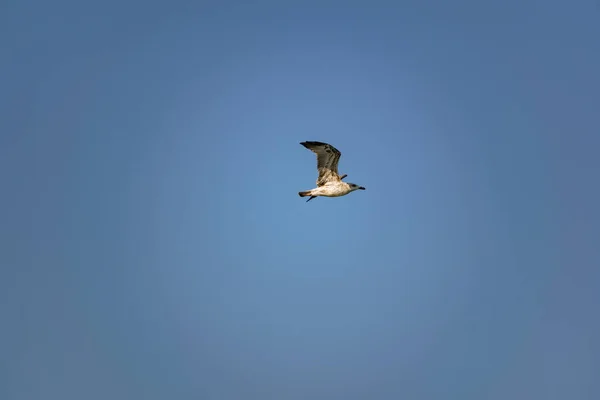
{"points": [[329, 182]]}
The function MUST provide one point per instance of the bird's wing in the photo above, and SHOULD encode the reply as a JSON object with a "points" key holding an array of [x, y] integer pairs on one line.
{"points": [[327, 161]]}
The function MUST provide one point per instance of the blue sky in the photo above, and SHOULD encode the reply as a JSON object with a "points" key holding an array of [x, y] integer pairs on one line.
{"points": [[153, 244]]}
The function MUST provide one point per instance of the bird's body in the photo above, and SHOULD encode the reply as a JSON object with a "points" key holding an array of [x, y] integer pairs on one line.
{"points": [[329, 182], [331, 189]]}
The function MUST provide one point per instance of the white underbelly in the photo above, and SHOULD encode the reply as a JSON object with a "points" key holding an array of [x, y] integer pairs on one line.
{"points": [[333, 191]]}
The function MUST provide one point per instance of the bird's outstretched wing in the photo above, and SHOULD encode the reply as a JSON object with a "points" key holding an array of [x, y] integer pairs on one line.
{"points": [[327, 161]]}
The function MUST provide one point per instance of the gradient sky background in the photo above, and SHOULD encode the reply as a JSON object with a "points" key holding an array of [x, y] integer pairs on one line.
{"points": [[153, 244]]}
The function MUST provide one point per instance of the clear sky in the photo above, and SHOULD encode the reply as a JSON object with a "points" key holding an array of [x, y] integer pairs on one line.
{"points": [[153, 244]]}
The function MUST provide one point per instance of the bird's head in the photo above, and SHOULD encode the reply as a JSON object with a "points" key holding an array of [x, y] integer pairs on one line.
{"points": [[354, 187]]}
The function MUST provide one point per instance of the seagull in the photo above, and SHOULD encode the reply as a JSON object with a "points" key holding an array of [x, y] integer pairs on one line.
{"points": [[329, 182]]}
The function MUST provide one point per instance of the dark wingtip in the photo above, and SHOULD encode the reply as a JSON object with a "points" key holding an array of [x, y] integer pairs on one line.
{"points": [[312, 143]]}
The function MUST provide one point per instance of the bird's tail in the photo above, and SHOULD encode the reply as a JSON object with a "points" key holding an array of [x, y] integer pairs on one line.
{"points": [[304, 194]]}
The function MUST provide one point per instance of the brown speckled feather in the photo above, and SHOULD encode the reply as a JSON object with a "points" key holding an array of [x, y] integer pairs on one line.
{"points": [[327, 161]]}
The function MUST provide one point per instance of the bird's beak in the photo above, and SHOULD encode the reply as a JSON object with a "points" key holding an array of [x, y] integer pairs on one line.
{"points": [[362, 188]]}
